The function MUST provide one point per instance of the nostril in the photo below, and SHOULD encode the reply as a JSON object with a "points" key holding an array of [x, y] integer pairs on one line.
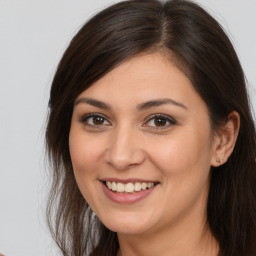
{"points": [[124, 154], [123, 164]]}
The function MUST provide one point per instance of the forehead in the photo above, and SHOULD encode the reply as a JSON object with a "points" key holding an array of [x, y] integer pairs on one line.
{"points": [[143, 73], [143, 78]]}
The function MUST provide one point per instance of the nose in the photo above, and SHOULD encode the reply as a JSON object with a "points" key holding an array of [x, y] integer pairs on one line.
{"points": [[125, 149]]}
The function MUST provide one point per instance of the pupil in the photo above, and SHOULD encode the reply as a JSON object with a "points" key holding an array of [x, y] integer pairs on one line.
{"points": [[98, 120], [160, 122]]}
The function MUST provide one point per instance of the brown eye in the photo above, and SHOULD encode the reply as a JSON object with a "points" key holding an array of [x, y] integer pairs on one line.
{"points": [[94, 120], [160, 121], [98, 120]]}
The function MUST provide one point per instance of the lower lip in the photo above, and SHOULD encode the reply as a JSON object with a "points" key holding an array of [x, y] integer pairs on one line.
{"points": [[126, 198]]}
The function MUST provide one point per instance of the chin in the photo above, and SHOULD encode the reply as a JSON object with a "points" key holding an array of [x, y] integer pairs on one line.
{"points": [[126, 229], [126, 225]]}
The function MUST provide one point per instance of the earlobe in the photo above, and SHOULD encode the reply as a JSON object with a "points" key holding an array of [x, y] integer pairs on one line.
{"points": [[226, 139]]}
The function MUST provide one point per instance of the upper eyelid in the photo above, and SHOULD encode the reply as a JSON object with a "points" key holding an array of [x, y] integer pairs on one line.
{"points": [[172, 122], [93, 115], [83, 118], [160, 116], [147, 119]]}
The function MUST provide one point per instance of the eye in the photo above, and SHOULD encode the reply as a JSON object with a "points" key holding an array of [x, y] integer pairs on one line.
{"points": [[94, 120], [160, 121]]}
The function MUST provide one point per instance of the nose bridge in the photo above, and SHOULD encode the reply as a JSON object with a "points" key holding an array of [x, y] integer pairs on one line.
{"points": [[124, 148]]}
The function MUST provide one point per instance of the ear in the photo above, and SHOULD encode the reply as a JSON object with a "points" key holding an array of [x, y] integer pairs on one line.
{"points": [[225, 139]]}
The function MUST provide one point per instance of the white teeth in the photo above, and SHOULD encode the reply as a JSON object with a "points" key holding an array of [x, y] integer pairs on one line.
{"points": [[120, 187], [113, 186], [137, 186], [144, 186], [129, 187], [109, 184], [150, 184]]}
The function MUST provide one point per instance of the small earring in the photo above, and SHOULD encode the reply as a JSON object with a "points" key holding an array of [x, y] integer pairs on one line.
{"points": [[218, 160]]}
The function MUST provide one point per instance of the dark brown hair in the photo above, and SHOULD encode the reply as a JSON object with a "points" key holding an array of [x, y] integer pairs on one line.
{"points": [[203, 51]]}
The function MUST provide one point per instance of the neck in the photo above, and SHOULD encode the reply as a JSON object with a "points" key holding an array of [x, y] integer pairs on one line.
{"points": [[181, 243]]}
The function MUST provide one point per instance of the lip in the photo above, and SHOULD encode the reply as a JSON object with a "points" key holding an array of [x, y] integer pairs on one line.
{"points": [[126, 198]]}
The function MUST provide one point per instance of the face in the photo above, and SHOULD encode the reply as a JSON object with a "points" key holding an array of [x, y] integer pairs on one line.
{"points": [[141, 146]]}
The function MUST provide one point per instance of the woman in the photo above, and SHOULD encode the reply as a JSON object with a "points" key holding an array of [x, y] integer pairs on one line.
{"points": [[150, 137]]}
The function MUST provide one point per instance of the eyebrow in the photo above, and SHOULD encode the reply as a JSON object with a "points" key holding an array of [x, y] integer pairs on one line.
{"points": [[141, 107], [159, 102], [93, 102]]}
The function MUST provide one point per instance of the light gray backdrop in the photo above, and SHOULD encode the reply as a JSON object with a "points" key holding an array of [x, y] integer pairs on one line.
{"points": [[33, 36]]}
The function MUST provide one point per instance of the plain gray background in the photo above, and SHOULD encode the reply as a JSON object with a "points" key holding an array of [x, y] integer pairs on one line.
{"points": [[33, 36]]}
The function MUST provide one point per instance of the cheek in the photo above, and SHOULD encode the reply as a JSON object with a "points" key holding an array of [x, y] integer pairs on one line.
{"points": [[185, 152], [184, 162], [85, 156], [85, 152]]}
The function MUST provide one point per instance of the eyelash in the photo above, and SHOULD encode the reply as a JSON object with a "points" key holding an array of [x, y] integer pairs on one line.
{"points": [[171, 121], [86, 119]]}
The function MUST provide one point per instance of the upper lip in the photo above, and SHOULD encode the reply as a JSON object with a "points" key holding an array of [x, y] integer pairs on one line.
{"points": [[125, 181]]}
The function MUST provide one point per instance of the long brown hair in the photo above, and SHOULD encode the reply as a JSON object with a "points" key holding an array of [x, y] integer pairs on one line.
{"points": [[205, 54]]}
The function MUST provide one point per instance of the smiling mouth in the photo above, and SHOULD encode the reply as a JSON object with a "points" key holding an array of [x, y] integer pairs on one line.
{"points": [[129, 188]]}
